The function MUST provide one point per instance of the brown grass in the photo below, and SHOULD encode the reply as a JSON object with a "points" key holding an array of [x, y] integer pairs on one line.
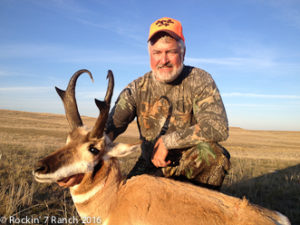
{"points": [[265, 167]]}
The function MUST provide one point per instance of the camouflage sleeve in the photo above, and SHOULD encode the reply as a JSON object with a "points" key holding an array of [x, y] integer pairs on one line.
{"points": [[121, 114], [211, 120]]}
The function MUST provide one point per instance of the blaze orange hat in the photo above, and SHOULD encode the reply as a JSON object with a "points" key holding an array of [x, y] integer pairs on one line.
{"points": [[168, 25]]}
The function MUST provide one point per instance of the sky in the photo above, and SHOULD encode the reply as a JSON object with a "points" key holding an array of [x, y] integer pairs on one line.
{"points": [[250, 47]]}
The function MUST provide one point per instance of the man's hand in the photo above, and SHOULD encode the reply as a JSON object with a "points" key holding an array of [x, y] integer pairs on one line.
{"points": [[160, 153]]}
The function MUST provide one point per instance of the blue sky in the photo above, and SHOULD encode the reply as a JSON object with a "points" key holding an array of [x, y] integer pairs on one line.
{"points": [[251, 48]]}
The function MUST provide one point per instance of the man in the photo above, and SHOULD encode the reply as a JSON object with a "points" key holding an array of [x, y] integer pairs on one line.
{"points": [[180, 114]]}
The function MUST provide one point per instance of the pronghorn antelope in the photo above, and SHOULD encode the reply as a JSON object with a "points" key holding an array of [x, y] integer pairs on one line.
{"points": [[88, 165]]}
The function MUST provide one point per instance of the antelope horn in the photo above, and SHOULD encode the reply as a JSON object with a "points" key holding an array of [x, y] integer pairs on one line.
{"points": [[69, 100], [104, 107]]}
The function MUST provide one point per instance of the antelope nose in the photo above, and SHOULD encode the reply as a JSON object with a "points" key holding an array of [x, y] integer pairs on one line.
{"points": [[41, 167]]}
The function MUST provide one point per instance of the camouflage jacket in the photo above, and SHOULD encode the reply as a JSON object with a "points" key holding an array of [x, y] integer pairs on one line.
{"points": [[197, 113]]}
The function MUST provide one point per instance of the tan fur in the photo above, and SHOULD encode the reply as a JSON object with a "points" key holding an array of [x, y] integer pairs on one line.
{"points": [[102, 196], [151, 200]]}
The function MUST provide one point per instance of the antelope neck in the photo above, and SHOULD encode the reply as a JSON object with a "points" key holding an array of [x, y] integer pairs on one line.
{"points": [[94, 182]]}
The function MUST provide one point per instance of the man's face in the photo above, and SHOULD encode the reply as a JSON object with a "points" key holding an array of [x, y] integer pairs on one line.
{"points": [[166, 59]]}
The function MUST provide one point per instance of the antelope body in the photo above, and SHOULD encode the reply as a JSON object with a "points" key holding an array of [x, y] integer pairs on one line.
{"points": [[88, 165]]}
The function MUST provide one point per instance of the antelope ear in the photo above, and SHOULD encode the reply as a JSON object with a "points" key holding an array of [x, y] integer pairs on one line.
{"points": [[120, 150]]}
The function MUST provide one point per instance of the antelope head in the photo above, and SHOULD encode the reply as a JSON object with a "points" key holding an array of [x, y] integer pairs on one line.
{"points": [[85, 149]]}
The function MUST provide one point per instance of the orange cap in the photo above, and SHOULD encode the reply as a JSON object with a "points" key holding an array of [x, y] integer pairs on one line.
{"points": [[166, 24]]}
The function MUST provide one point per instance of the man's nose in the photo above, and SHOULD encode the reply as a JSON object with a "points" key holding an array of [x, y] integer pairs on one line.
{"points": [[164, 58]]}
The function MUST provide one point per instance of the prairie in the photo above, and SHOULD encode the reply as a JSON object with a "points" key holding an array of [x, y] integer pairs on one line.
{"points": [[265, 168]]}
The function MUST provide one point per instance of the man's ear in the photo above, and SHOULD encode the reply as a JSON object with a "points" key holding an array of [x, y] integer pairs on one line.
{"points": [[120, 150]]}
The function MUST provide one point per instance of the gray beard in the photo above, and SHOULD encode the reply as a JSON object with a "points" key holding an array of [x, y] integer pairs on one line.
{"points": [[170, 78]]}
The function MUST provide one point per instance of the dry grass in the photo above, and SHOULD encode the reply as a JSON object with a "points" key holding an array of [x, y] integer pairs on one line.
{"points": [[265, 167]]}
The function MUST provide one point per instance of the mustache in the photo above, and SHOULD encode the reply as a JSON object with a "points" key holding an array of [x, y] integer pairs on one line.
{"points": [[168, 65]]}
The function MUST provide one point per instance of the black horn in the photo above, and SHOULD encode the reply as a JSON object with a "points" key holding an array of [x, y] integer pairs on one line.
{"points": [[69, 100], [104, 107]]}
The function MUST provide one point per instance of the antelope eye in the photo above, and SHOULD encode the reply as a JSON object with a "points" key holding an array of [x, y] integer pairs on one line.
{"points": [[93, 150]]}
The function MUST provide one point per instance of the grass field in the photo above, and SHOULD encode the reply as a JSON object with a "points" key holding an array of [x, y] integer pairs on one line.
{"points": [[265, 168]]}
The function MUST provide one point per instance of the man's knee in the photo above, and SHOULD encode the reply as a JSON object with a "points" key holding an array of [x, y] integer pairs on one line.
{"points": [[204, 165]]}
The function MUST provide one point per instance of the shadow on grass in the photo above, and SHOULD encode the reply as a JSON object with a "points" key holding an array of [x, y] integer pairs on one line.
{"points": [[279, 190]]}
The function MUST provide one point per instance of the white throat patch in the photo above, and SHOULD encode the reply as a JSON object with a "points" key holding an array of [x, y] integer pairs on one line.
{"points": [[80, 198]]}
